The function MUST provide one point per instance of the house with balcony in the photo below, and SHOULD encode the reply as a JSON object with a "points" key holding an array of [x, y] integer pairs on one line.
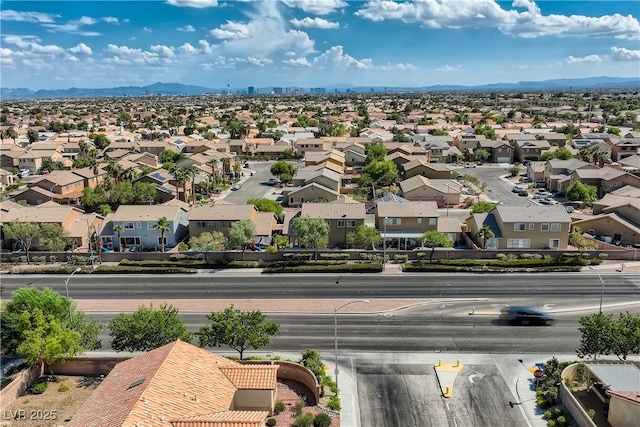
{"points": [[557, 172], [517, 227], [402, 224], [139, 231]]}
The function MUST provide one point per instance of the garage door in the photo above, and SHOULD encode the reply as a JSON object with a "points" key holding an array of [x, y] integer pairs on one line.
{"points": [[504, 160]]}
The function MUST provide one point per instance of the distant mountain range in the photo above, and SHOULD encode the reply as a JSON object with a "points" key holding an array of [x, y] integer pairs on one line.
{"points": [[178, 89]]}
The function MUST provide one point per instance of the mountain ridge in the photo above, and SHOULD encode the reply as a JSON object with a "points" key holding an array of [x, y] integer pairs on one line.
{"points": [[180, 89]]}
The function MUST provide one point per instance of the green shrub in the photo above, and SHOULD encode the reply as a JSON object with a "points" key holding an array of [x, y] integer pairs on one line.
{"points": [[568, 383], [334, 403], [322, 420], [591, 413], [39, 387], [279, 406], [501, 257], [562, 422], [421, 254], [551, 423], [558, 412], [298, 408], [581, 373], [303, 420], [401, 258], [271, 422], [318, 268], [53, 258], [63, 388], [183, 247], [548, 415], [338, 255]]}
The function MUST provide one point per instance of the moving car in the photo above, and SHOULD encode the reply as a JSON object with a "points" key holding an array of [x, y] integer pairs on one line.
{"points": [[236, 186], [272, 181], [527, 316]]}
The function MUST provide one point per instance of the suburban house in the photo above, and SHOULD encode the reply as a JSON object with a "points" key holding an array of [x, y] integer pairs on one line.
{"points": [[530, 150], [318, 174], [181, 385], [517, 227], [619, 197], [606, 179], [342, 219], [77, 225], [62, 186], [624, 147], [557, 172], [333, 156], [309, 145], [139, 227], [32, 160], [618, 224], [313, 192], [10, 156], [402, 223], [630, 164], [354, 153], [445, 192], [271, 152], [425, 169], [500, 151], [165, 183], [467, 143], [535, 170]]}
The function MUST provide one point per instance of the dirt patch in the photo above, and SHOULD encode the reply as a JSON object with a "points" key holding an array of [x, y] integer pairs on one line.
{"points": [[52, 408]]}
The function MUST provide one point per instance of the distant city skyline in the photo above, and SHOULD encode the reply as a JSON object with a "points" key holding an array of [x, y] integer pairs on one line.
{"points": [[314, 43]]}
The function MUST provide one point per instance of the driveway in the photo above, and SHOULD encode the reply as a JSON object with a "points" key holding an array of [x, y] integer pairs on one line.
{"points": [[498, 188]]}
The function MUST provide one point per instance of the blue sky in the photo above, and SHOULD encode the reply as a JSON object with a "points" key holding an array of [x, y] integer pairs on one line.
{"points": [[314, 43]]}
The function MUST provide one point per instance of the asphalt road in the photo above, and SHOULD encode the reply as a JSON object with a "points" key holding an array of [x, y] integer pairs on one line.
{"points": [[253, 187], [223, 286], [497, 188]]}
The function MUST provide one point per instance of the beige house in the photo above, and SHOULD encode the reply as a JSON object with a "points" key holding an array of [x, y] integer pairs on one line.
{"points": [[180, 384], [402, 223], [317, 174], [429, 170], [61, 186], [617, 224], [296, 196], [445, 192], [515, 227], [605, 179], [342, 218], [530, 150], [557, 172]]}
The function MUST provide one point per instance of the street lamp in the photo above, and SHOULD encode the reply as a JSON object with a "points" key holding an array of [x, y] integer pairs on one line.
{"points": [[335, 329], [66, 288], [601, 290], [51, 191], [384, 244], [89, 242]]}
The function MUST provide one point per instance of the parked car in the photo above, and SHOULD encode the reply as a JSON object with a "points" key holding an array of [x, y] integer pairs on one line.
{"points": [[236, 186], [517, 189], [526, 316], [523, 193], [272, 181], [548, 201], [569, 209], [470, 165]]}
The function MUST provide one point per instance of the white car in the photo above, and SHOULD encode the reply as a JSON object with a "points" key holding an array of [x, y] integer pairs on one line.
{"points": [[236, 186]]}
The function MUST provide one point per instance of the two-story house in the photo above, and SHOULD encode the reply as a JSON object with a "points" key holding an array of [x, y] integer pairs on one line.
{"points": [[403, 223], [423, 168], [342, 219], [557, 172], [530, 150], [624, 147], [139, 230], [445, 192], [605, 179], [517, 227]]}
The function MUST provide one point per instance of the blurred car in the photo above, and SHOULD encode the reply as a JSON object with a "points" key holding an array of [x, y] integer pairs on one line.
{"points": [[470, 165], [280, 198], [523, 193], [569, 209], [272, 181], [236, 186], [527, 316], [548, 201]]}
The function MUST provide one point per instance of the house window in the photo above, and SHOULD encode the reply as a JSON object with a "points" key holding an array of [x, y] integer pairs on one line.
{"points": [[351, 223], [328, 221], [291, 200], [301, 199], [555, 226], [518, 243], [519, 226], [394, 221], [162, 240], [201, 224], [151, 225], [128, 225], [138, 225], [341, 223], [419, 220], [211, 224], [554, 243], [532, 226], [128, 241], [433, 221], [544, 227]]}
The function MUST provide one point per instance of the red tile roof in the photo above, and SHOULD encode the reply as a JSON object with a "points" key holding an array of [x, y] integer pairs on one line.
{"points": [[252, 377]]}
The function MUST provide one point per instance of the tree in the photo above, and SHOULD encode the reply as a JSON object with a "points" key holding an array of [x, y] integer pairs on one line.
{"points": [[435, 239], [283, 170], [268, 205], [49, 303], [379, 174], [119, 229], [238, 330], [214, 241], [485, 233], [241, 234], [280, 242], [32, 135], [482, 155], [375, 152], [12, 133], [483, 207], [312, 232], [563, 154], [147, 329], [596, 336], [23, 232], [100, 141], [585, 193], [45, 340], [579, 241], [626, 335], [364, 237], [514, 170], [163, 225], [53, 237]]}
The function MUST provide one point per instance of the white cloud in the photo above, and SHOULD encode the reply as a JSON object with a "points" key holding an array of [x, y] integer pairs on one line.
{"points": [[81, 48], [319, 7], [163, 50], [335, 57], [187, 28], [260, 62], [31, 45], [124, 55], [33, 17], [188, 49], [586, 59], [400, 67], [448, 68], [199, 4], [263, 35], [110, 20], [624, 54], [297, 62], [290, 53], [74, 27], [529, 23], [320, 23], [147, 29]]}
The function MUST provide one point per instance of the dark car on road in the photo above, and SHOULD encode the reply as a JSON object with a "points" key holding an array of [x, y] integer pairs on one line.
{"points": [[527, 316]]}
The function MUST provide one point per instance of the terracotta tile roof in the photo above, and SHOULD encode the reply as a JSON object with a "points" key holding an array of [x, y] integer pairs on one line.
{"points": [[224, 419], [252, 377], [168, 383]]}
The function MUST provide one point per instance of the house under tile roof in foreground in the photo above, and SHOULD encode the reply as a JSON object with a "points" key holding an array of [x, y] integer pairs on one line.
{"points": [[181, 385]]}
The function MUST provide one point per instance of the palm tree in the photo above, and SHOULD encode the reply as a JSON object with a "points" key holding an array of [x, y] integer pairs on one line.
{"points": [[164, 226], [225, 166], [119, 229], [486, 233]]}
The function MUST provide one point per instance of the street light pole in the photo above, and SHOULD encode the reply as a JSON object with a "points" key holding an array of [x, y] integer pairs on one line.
{"points": [[601, 290], [89, 243], [335, 331], [66, 288], [384, 245]]}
